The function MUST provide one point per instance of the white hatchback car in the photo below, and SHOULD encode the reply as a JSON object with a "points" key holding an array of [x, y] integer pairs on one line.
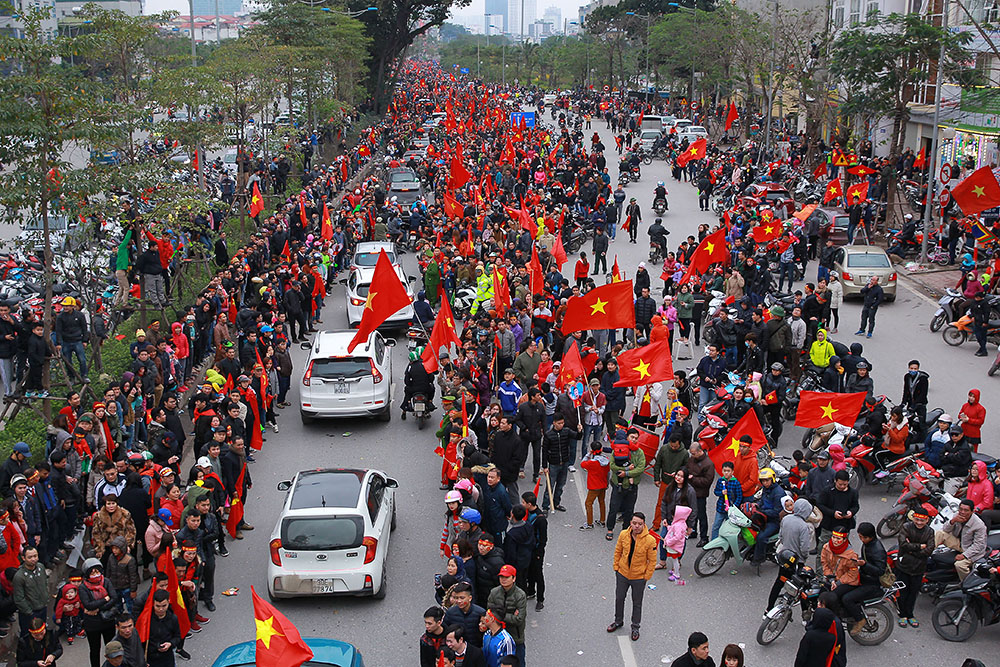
{"points": [[338, 383], [357, 297], [332, 536], [366, 253]]}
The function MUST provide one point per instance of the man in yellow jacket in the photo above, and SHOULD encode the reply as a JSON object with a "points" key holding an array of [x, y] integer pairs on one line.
{"points": [[635, 559]]}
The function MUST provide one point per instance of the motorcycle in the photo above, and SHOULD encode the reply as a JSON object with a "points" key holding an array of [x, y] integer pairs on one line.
{"points": [[624, 178], [420, 408], [960, 331], [958, 614], [415, 337], [804, 587], [946, 309], [871, 466], [737, 538], [655, 253], [921, 489], [660, 206]]}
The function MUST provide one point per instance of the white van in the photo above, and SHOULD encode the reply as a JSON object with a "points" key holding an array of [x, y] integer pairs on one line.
{"points": [[652, 123]]}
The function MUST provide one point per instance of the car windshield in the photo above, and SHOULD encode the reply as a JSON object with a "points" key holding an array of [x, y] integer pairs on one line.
{"points": [[405, 197], [322, 533], [774, 195], [841, 221], [345, 368], [402, 177], [868, 261], [370, 259], [327, 488], [650, 134]]}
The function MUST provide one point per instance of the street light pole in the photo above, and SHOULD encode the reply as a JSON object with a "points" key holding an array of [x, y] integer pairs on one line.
{"points": [[647, 17], [770, 86], [932, 167]]}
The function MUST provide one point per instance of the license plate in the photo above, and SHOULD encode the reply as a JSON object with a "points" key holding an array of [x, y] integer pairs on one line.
{"points": [[323, 586], [342, 388], [418, 407]]}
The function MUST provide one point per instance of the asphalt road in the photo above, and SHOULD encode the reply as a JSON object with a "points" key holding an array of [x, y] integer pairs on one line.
{"points": [[580, 584]]}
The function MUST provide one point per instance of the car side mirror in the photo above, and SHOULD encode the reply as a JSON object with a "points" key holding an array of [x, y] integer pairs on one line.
{"points": [[305, 345], [390, 342], [284, 485], [391, 483]]}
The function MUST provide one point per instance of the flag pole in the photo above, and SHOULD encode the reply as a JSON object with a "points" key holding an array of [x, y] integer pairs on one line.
{"points": [[548, 485], [932, 162]]}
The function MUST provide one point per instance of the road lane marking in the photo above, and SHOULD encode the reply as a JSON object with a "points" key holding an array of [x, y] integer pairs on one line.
{"points": [[628, 656]]}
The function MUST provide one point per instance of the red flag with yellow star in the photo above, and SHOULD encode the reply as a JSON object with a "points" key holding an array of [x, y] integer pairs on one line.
{"points": [[857, 193], [819, 408], [571, 367], [256, 201], [728, 449], [616, 274], [605, 307], [833, 190], [860, 170], [712, 250], [767, 231], [695, 151], [442, 335], [645, 365], [386, 296], [279, 643], [978, 192]]}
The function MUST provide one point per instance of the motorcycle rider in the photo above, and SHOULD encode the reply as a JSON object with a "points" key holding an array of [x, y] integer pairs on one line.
{"points": [[422, 310], [416, 380], [658, 236], [965, 534], [797, 538], [484, 288], [770, 504], [660, 192], [871, 567], [773, 387]]}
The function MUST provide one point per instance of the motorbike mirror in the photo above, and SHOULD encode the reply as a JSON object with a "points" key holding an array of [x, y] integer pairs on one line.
{"points": [[390, 342], [305, 345]]}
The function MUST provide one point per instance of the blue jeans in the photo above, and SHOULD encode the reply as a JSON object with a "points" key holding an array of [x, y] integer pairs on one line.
{"points": [[557, 477], [705, 397], [70, 349], [787, 269], [594, 432], [760, 549], [720, 518]]}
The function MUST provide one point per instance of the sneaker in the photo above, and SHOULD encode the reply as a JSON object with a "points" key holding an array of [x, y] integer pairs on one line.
{"points": [[869, 336], [42, 394], [859, 332], [223, 552], [182, 654], [539, 606], [599, 522], [672, 576], [587, 526], [195, 627], [239, 535], [572, 468]]}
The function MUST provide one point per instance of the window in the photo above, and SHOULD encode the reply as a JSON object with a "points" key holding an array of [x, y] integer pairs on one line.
{"points": [[376, 491], [327, 488], [855, 12], [868, 261], [348, 368], [322, 533], [379, 349], [838, 15], [872, 10]]}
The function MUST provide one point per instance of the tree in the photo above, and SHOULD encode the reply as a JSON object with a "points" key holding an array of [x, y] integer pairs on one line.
{"points": [[881, 64], [44, 104]]}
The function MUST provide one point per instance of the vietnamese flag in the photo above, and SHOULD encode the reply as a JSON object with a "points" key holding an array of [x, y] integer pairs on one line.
{"points": [[286, 252], [695, 151], [452, 208], [164, 563], [442, 335], [616, 274], [804, 214], [731, 116], [833, 190], [767, 231], [770, 398], [645, 365], [605, 307], [558, 252], [458, 175], [256, 201], [859, 193], [571, 367], [921, 159], [820, 171], [729, 449], [326, 230], [501, 292], [860, 170], [279, 643], [236, 505], [819, 408], [386, 296], [302, 213], [978, 192], [536, 282], [712, 250], [142, 623]]}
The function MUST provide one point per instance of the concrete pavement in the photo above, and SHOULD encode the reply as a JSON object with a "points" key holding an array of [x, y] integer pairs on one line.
{"points": [[580, 583]]}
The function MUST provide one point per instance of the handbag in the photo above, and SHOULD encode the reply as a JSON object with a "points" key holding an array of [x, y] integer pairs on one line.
{"points": [[887, 578]]}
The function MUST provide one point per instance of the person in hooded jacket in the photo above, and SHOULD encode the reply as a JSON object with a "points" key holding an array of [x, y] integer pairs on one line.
{"points": [[823, 643], [971, 417], [834, 378], [956, 460], [520, 543], [796, 536], [916, 544], [488, 561]]}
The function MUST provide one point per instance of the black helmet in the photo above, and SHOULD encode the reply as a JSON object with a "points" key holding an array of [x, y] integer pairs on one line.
{"points": [[777, 366], [787, 558], [658, 221]]}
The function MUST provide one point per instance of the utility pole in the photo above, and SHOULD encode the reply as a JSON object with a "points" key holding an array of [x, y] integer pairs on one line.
{"points": [[932, 167], [218, 31], [770, 87]]}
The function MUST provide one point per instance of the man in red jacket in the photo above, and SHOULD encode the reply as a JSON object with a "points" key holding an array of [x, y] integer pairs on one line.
{"points": [[971, 417]]}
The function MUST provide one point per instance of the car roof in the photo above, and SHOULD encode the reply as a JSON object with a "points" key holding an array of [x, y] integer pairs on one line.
{"points": [[864, 250], [365, 273], [325, 651], [327, 488], [334, 344]]}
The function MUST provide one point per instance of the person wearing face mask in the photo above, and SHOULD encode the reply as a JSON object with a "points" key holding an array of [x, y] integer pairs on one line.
{"points": [[99, 599], [915, 385]]}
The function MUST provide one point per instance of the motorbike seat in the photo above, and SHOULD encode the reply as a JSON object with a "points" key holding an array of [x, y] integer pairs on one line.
{"points": [[993, 540], [990, 461]]}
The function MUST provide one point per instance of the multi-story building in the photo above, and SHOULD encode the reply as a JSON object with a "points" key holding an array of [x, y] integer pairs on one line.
{"points": [[11, 25], [521, 14], [496, 16]]}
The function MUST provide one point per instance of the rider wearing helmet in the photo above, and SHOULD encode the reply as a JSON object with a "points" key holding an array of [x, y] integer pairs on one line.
{"points": [[660, 193], [773, 386], [416, 380], [658, 235], [770, 505], [422, 310]]}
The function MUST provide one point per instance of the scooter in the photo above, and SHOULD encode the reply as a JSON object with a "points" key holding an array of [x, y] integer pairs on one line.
{"points": [[419, 406], [660, 206], [946, 309], [921, 488], [415, 337], [958, 614], [960, 331], [737, 538]]}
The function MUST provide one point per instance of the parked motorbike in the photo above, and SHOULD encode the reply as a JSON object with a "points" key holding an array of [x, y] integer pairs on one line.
{"points": [[736, 540], [958, 614], [960, 331], [921, 489], [946, 311], [804, 587]]}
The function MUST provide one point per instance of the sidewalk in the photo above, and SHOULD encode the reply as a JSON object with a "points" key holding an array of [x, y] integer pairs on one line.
{"points": [[932, 279]]}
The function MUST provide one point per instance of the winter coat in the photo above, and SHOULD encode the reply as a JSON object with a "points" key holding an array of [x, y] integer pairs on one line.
{"points": [[632, 476], [31, 591], [667, 462], [643, 560], [496, 503], [795, 533], [675, 499], [823, 643], [976, 413], [510, 608], [971, 535], [912, 556], [981, 490], [956, 459], [557, 446], [107, 526], [519, 545], [701, 474], [487, 571], [841, 566], [677, 531]]}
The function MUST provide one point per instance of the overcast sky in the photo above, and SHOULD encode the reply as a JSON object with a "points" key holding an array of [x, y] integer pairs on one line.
{"points": [[569, 7]]}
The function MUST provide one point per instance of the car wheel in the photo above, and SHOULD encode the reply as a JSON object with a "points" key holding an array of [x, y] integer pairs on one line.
{"points": [[306, 418], [890, 298], [380, 593], [392, 522], [270, 596], [385, 415]]}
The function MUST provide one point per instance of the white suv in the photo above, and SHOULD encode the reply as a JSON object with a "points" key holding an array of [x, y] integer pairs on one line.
{"points": [[338, 383], [332, 536]]}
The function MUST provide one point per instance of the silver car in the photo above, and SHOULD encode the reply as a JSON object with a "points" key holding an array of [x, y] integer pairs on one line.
{"points": [[856, 264]]}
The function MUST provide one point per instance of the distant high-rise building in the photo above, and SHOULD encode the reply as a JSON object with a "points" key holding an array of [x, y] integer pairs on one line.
{"points": [[516, 25], [554, 16], [496, 15], [226, 7]]}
